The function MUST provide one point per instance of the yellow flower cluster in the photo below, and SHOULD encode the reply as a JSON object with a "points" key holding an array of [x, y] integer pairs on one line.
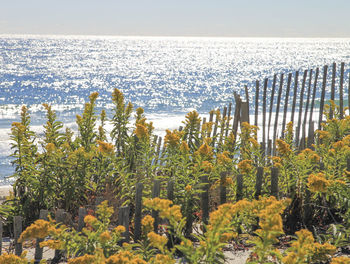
{"points": [[324, 135], [269, 211], [172, 139], [188, 188], [205, 151], [165, 207], [283, 147], [207, 166], [53, 244], [224, 159], [13, 259], [105, 236], [245, 166], [125, 257], [147, 223], [192, 119], [119, 229], [163, 259], [318, 183], [39, 229], [207, 127], [141, 131], [50, 147], [156, 240], [309, 155], [277, 162], [90, 219], [341, 260], [304, 250], [105, 148], [184, 148]]}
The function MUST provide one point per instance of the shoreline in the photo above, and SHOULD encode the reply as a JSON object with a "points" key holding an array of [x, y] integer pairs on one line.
{"points": [[4, 192]]}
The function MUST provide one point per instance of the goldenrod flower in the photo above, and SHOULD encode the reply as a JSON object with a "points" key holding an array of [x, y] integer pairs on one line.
{"points": [[224, 159], [105, 236], [156, 240], [184, 148], [207, 166], [245, 166], [341, 260], [188, 188], [283, 147], [53, 244], [147, 223], [172, 138], [205, 151], [105, 148], [318, 183], [90, 219], [163, 259], [141, 131], [119, 229], [39, 229], [125, 257]]}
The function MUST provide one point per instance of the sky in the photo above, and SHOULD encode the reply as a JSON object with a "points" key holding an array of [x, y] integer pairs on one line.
{"points": [[215, 18]]}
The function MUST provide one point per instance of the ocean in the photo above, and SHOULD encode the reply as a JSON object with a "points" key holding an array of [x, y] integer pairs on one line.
{"points": [[167, 76]]}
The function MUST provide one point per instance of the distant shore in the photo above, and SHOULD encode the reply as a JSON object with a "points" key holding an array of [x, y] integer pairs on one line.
{"points": [[4, 191]]}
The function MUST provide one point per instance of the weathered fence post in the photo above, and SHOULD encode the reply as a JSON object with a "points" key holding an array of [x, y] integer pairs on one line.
{"points": [[59, 217], [123, 219], [244, 112], [341, 91], [1, 231], [223, 175], [38, 250], [295, 92], [286, 103], [81, 215], [264, 113], [258, 183], [277, 113], [156, 193], [239, 187], [323, 93], [274, 181], [205, 199], [170, 190], [256, 104], [271, 106], [334, 71], [138, 211], [17, 230], [297, 138]]}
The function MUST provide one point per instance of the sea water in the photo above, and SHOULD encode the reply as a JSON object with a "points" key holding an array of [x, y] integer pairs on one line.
{"points": [[167, 76]]}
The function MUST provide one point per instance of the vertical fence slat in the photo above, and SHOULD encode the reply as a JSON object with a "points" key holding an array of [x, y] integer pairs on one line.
{"points": [[271, 105], [59, 217], [264, 113], [286, 103], [277, 113], [138, 211], [341, 91], [1, 231], [244, 112], [156, 193], [205, 199], [81, 215], [323, 93], [274, 181], [239, 187], [258, 182], [301, 107], [256, 103], [223, 176], [228, 119], [123, 219], [295, 92], [17, 230], [349, 93], [237, 115], [313, 96], [38, 255], [334, 71]]}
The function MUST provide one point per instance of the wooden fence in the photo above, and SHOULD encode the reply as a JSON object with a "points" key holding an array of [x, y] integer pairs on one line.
{"points": [[299, 107]]}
